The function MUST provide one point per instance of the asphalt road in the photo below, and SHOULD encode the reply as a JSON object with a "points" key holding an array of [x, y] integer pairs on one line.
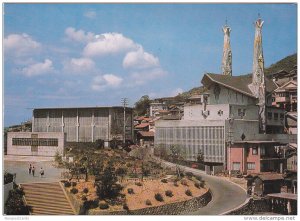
{"points": [[225, 195]]}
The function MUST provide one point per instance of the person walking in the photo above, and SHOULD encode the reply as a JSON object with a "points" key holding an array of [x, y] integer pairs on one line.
{"points": [[33, 171], [42, 172], [29, 169]]}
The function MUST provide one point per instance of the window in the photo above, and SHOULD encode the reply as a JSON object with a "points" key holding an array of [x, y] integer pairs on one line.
{"points": [[254, 150], [241, 112], [270, 115], [262, 151], [251, 166], [275, 116], [236, 166], [281, 116], [220, 112]]}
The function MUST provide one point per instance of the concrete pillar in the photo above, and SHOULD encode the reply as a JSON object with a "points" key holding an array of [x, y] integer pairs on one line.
{"points": [[93, 125], [77, 127], [48, 123], [62, 121]]}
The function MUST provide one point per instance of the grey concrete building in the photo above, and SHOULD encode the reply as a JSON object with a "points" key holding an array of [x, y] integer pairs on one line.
{"points": [[85, 124]]}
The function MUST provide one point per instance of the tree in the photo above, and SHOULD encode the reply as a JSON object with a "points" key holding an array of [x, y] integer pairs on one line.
{"points": [[121, 172], [142, 106], [106, 186], [200, 157], [176, 155]]}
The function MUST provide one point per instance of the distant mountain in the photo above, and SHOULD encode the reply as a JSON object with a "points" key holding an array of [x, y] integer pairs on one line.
{"points": [[286, 64]]}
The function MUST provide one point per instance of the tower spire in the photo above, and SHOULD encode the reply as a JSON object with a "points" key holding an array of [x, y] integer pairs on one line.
{"points": [[258, 86], [227, 54]]}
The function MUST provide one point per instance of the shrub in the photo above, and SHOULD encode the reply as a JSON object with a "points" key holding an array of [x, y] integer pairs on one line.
{"points": [[138, 184], [164, 180], [74, 190], [176, 184], [202, 183], [67, 184], [90, 204], [103, 205], [189, 174], [130, 191], [85, 190], [74, 184], [184, 182], [197, 185], [159, 197], [169, 193], [83, 198], [198, 178], [125, 206], [188, 192]]}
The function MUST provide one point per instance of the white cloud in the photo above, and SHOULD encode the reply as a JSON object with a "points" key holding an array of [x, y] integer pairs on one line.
{"points": [[109, 43], [142, 77], [20, 45], [79, 36], [108, 80], [90, 14], [38, 68], [140, 60], [177, 91], [79, 65]]}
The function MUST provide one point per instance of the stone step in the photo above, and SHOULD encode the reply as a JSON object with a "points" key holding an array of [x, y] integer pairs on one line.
{"points": [[33, 201], [47, 206], [47, 199], [39, 211]]}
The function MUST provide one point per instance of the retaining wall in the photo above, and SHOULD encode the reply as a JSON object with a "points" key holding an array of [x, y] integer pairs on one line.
{"points": [[167, 209]]}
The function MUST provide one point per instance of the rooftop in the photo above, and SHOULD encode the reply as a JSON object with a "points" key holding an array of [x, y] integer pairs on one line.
{"points": [[95, 107], [237, 83], [290, 196]]}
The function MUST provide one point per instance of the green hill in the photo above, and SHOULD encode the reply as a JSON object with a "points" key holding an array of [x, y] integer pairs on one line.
{"points": [[286, 64]]}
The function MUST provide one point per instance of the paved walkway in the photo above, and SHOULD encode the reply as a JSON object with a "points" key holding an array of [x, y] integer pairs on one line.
{"points": [[225, 195], [20, 165]]}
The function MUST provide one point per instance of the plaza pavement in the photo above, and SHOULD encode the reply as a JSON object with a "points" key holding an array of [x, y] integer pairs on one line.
{"points": [[20, 165]]}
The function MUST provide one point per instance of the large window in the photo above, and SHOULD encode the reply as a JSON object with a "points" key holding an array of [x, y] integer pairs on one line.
{"points": [[251, 166], [275, 116], [236, 166], [262, 151], [270, 115], [254, 150], [35, 142]]}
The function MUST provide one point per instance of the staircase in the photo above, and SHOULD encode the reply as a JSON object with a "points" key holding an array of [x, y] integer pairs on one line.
{"points": [[47, 199]]}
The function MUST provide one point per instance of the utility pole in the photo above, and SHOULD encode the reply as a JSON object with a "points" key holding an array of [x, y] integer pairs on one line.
{"points": [[124, 103]]}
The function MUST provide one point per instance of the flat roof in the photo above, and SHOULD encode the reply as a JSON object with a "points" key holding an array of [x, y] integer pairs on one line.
{"points": [[95, 107], [257, 141]]}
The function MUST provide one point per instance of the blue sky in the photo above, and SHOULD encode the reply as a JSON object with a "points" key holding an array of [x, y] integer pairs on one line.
{"points": [[62, 55]]}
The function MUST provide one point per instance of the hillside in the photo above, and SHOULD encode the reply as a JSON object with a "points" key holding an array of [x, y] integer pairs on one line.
{"points": [[286, 64]]}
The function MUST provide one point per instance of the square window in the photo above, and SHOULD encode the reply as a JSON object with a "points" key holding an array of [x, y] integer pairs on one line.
{"points": [[269, 115], [254, 150], [251, 166]]}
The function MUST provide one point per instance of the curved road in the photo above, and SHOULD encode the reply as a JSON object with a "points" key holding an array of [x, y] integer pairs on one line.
{"points": [[225, 195]]}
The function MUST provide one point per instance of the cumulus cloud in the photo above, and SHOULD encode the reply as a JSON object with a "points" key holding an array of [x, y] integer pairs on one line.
{"points": [[79, 35], [90, 14], [79, 65], [20, 45], [108, 80], [38, 68], [143, 76], [140, 60], [109, 43]]}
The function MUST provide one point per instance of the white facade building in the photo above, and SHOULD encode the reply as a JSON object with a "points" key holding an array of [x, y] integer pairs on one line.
{"points": [[35, 143]]}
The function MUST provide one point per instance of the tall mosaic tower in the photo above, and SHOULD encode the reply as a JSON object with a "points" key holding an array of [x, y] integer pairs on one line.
{"points": [[227, 54], [258, 85]]}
